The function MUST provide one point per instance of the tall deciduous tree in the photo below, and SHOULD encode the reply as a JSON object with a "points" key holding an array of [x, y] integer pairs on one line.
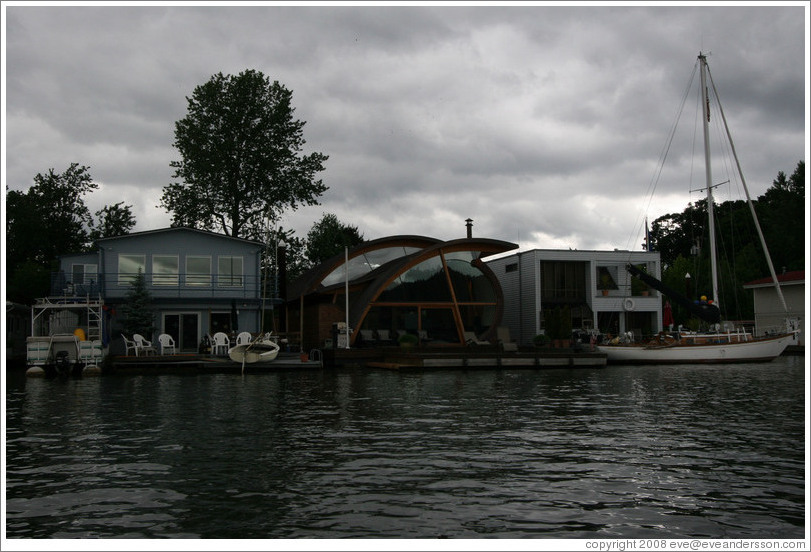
{"points": [[45, 221], [50, 218], [113, 220], [328, 237], [241, 157]]}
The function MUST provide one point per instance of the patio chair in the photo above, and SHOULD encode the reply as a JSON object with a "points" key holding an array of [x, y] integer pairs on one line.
{"points": [[98, 351], [471, 339], [244, 338], [367, 337], [167, 344], [86, 352], [504, 339], [220, 344], [130, 345], [142, 345]]}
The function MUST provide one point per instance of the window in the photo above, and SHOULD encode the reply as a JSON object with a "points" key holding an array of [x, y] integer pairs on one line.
{"points": [[469, 282], [424, 282], [128, 268], [198, 271], [563, 280], [164, 270], [229, 271], [85, 273], [512, 267]]}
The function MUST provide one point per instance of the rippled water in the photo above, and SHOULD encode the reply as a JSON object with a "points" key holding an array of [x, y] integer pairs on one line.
{"points": [[671, 452]]}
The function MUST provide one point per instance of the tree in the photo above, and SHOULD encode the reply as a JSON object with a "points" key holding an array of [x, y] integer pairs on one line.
{"points": [[328, 237], [50, 218], [45, 221], [241, 160], [139, 316], [781, 212], [113, 220]]}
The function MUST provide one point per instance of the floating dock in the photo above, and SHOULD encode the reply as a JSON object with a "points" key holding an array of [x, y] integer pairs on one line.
{"points": [[197, 363], [389, 358], [468, 358]]}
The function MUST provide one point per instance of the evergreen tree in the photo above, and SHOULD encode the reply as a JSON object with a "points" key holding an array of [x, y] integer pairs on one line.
{"points": [[139, 315]]}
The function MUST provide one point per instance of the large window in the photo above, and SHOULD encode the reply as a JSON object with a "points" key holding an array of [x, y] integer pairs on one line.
{"points": [[164, 270], [469, 282], [128, 268], [198, 270], [424, 282], [229, 271], [563, 280]]}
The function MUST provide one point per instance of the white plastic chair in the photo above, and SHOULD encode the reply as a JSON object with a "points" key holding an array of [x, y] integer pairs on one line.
{"points": [[130, 344], [86, 352], [98, 351], [167, 344], [220, 342], [142, 345], [244, 338]]}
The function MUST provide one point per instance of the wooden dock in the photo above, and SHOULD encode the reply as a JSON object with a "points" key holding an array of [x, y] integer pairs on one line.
{"points": [[467, 358], [197, 363], [390, 358]]}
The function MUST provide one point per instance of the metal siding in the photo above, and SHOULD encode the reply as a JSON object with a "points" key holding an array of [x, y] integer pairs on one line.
{"points": [[522, 302]]}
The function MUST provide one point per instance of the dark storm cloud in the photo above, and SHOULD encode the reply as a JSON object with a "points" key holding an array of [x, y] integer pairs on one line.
{"points": [[544, 124]]}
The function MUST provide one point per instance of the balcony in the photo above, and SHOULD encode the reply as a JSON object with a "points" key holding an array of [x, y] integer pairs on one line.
{"points": [[163, 286]]}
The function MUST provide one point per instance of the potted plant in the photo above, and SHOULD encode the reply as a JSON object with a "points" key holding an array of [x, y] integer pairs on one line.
{"points": [[407, 340], [541, 340], [565, 326], [606, 283], [552, 326], [638, 287]]}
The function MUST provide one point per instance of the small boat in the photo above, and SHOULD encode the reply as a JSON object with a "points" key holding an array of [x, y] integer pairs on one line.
{"points": [[263, 349], [723, 343]]}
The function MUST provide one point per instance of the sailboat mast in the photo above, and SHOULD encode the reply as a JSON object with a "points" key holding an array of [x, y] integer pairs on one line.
{"points": [[705, 102], [749, 201]]}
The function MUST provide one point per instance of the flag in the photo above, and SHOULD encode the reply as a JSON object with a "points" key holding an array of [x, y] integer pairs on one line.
{"points": [[647, 246]]}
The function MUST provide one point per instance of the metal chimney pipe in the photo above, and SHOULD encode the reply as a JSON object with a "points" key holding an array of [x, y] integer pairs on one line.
{"points": [[469, 225]]}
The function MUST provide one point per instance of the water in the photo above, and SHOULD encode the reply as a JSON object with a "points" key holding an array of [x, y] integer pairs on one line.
{"points": [[621, 452]]}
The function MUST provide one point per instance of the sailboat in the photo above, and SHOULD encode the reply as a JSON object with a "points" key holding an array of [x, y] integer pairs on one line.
{"points": [[724, 343]]}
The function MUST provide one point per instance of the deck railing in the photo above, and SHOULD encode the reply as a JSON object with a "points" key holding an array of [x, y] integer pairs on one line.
{"points": [[163, 286]]}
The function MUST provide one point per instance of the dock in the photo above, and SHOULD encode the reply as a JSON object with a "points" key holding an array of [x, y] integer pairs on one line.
{"points": [[468, 358], [389, 358], [204, 363]]}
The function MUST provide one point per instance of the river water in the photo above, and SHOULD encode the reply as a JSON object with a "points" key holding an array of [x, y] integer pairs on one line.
{"points": [[619, 452]]}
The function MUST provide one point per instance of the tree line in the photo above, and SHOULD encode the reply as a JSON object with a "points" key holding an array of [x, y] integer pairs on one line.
{"points": [[682, 241]]}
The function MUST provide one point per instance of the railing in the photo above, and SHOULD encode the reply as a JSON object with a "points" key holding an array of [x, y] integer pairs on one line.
{"points": [[164, 286]]}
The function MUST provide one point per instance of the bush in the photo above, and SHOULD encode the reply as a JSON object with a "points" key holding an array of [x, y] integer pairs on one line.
{"points": [[408, 340], [541, 340]]}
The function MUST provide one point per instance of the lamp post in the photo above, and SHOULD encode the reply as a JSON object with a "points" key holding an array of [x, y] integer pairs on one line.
{"points": [[281, 283]]}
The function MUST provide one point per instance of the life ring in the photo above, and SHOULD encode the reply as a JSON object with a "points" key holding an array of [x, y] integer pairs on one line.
{"points": [[628, 304]]}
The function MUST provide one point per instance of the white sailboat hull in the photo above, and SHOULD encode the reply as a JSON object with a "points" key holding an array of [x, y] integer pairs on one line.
{"points": [[755, 350], [251, 353]]}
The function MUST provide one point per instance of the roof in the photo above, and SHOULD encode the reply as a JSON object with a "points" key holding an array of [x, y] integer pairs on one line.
{"points": [[793, 277], [179, 229], [412, 247]]}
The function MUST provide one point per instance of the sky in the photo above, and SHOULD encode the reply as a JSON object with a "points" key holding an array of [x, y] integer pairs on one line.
{"points": [[546, 124]]}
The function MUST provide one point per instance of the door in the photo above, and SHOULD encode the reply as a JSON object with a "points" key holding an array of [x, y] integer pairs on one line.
{"points": [[184, 329]]}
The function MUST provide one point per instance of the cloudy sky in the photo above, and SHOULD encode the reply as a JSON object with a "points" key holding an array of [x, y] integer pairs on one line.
{"points": [[545, 124]]}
